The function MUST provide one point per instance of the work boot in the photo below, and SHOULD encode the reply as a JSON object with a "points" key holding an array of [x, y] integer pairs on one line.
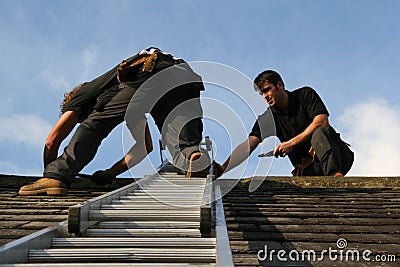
{"points": [[199, 165], [47, 186]]}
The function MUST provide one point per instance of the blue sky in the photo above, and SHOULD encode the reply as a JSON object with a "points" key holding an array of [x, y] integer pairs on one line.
{"points": [[346, 50]]}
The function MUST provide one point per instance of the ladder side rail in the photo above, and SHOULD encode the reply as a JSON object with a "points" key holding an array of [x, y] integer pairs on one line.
{"points": [[17, 251], [223, 249], [78, 215], [206, 203], [205, 208]]}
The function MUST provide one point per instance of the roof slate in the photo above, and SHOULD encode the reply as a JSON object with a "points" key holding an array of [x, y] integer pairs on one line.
{"points": [[23, 215]]}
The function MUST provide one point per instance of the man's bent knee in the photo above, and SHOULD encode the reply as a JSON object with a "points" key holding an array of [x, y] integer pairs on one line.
{"points": [[320, 142]]}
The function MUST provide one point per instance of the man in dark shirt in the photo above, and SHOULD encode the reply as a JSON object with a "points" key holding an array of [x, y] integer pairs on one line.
{"points": [[150, 82], [300, 120]]}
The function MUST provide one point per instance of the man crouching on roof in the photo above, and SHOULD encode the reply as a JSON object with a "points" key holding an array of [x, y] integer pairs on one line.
{"points": [[149, 82], [300, 119]]}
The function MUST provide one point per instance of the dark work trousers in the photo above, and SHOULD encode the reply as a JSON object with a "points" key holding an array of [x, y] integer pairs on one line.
{"points": [[332, 154], [182, 131], [172, 97]]}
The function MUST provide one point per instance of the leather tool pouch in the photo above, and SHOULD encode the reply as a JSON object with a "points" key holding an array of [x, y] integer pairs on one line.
{"points": [[145, 63], [149, 62]]}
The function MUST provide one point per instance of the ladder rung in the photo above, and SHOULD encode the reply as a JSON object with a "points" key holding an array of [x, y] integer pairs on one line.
{"points": [[178, 181], [170, 189], [148, 198], [161, 196], [175, 199], [109, 264], [149, 202], [168, 232], [173, 185], [147, 207], [122, 255], [101, 215], [148, 225], [171, 242]]}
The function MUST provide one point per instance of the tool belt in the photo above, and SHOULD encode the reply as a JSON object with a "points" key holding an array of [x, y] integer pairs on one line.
{"points": [[304, 163], [145, 63]]}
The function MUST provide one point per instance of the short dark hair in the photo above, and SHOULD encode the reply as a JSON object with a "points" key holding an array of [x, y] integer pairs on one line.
{"points": [[267, 75]]}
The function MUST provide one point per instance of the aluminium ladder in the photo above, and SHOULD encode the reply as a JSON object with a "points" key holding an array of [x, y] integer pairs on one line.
{"points": [[163, 219]]}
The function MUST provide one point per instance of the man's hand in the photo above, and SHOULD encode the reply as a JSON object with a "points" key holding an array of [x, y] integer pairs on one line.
{"points": [[283, 149], [102, 178], [218, 169]]}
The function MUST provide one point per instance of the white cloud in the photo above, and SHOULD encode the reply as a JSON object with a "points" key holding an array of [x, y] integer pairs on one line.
{"points": [[26, 128], [89, 56], [64, 77], [55, 81], [8, 167], [373, 129]]}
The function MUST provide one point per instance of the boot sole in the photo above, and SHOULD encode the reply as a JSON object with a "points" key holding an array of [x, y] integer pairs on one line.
{"points": [[48, 191]]}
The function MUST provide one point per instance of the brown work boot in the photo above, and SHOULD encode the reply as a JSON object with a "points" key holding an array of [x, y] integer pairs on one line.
{"points": [[199, 165], [47, 186]]}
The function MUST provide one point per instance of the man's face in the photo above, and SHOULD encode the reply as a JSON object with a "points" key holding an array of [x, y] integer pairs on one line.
{"points": [[270, 93]]}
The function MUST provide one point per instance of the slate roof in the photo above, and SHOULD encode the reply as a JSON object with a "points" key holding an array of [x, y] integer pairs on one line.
{"points": [[284, 213], [296, 214], [23, 215]]}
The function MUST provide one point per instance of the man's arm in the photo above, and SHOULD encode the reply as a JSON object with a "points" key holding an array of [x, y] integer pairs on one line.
{"points": [[138, 151], [240, 153], [58, 133], [136, 154], [286, 147]]}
